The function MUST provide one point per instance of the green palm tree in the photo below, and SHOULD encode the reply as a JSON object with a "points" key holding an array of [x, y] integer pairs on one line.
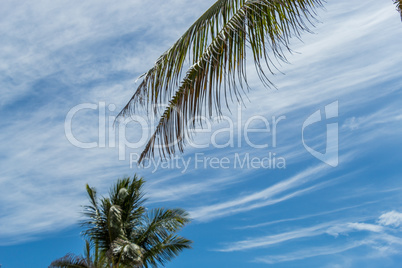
{"points": [[89, 260], [129, 235], [216, 46]]}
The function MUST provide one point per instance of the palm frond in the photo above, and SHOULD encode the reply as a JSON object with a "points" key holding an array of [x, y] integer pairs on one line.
{"points": [[159, 224], [92, 210], [92, 258], [128, 195], [87, 251], [96, 220], [265, 26], [165, 251], [164, 77], [399, 6], [70, 261]]}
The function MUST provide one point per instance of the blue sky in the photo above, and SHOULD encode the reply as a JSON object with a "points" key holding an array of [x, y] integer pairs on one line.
{"points": [[56, 55]]}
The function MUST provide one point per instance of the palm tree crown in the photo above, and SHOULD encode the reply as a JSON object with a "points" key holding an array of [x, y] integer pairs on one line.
{"points": [[125, 233]]}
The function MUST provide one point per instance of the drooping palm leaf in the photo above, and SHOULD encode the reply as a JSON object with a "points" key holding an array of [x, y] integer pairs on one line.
{"points": [[70, 261], [157, 238], [164, 77], [399, 6], [218, 60], [263, 25], [166, 250], [89, 260], [161, 223]]}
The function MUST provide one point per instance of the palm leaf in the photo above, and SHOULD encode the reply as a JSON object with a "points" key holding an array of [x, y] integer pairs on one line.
{"points": [[163, 78], [128, 195], [160, 223], [265, 26], [96, 223], [165, 251], [70, 261], [399, 6], [98, 260]]}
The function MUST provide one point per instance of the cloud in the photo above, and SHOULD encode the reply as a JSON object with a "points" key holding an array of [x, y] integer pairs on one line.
{"points": [[304, 217], [377, 119], [378, 241], [375, 247], [309, 253], [353, 226], [261, 198], [57, 54], [277, 238], [332, 228], [392, 218]]}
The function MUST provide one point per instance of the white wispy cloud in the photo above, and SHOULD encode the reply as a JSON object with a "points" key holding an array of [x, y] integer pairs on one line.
{"points": [[378, 239], [265, 196], [311, 252], [348, 227], [277, 238], [334, 228], [57, 54], [376, 246], [392, 218], [305, 216]]}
